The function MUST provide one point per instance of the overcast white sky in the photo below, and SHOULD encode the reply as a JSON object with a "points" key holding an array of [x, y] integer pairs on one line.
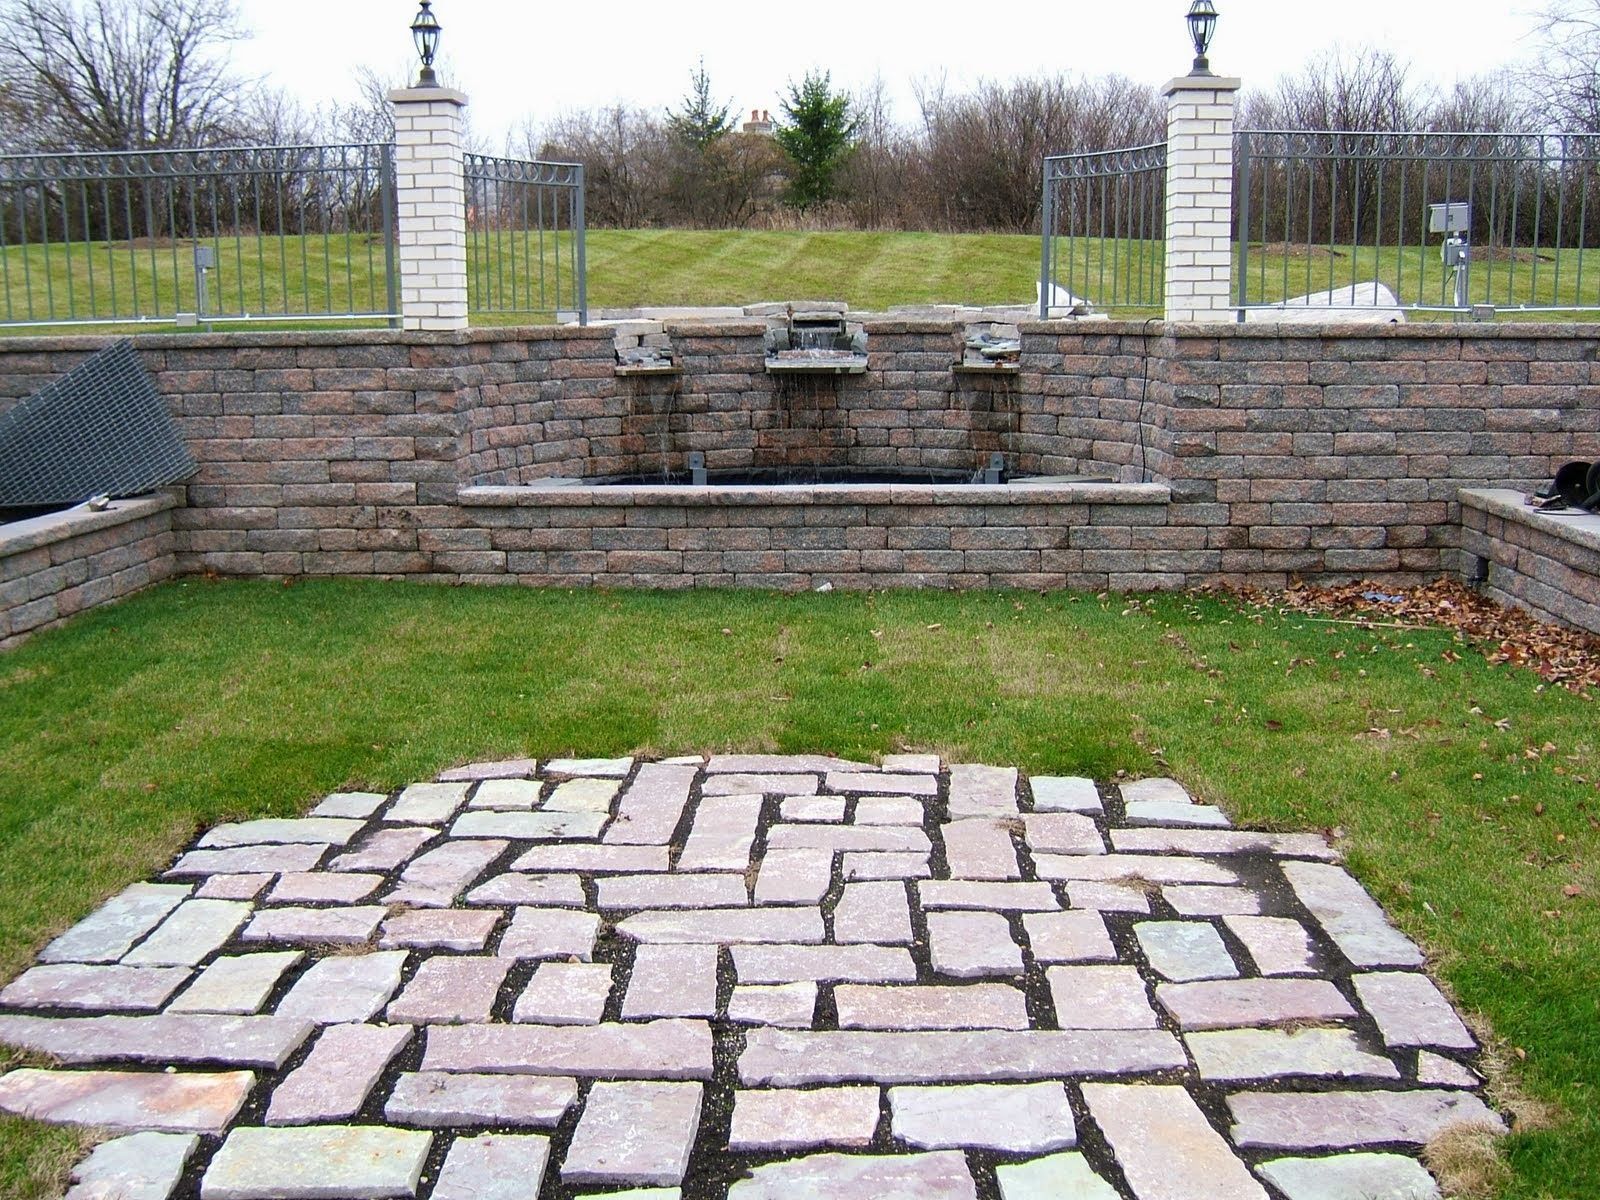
{"points": [[521, 59]]}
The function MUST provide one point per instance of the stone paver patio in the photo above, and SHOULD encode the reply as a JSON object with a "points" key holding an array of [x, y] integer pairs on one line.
{"points": [[753, 977]]}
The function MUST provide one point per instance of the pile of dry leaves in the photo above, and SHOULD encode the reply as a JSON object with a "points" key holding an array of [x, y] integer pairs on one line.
{"points": [[1560, 655]]}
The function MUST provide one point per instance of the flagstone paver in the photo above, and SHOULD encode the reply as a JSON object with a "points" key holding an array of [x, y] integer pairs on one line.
{"points": [[600, 975]]}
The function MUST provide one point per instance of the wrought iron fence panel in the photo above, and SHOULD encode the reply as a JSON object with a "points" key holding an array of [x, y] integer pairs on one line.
{"points": [[1104, 217], [526, 251], [1336, 214], [279, 233]]}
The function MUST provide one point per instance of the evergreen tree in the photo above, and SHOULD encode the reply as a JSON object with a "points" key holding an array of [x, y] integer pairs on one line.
{"points": [[818, 135], [701, 123]]}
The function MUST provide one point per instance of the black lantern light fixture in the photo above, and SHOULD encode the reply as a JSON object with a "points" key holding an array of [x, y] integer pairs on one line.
{"points": [[1202, 28], [425, 32]]}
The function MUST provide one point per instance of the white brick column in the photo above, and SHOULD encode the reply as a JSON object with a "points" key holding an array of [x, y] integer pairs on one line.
{"points": [[431, 207], [1199, 283]]}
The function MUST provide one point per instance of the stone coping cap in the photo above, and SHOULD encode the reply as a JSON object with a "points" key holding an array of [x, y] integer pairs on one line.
{"points": [[20, 536], [1202, 83], [734, 327], [265, 338], [570, 494], [1503, 502], [431, 95]]}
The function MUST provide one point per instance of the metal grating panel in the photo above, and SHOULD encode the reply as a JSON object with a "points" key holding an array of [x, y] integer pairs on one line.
{"points": [[101, 429]]}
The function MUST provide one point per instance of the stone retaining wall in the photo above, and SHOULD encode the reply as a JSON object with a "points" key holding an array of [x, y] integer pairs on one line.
{"points": [[56, 566], [1307, 451], [1548, 565]]}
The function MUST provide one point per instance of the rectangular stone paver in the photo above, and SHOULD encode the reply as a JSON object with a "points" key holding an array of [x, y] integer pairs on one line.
{"points": [[450, 991], [384, 850], [437, 878], [1017, 1118], [889, 810], [506, 794], [875, 912], [1165, 1146], [326, 831], [979, 849], [940, 1175], [1223, 841], [496, 1166], [1069, 937], [1100, 997], [968, 945], [360, 805], [239, 985], [186, 1038], [609, 860], [550, 933], [785, 1005], [1152, 868], [982, 791], [528, 826], [1277, 945], [565, 994], [1056, 1177], [533, 891], [427, 803], [1199, 900], [783, 1058], [780, 764], [869, 866], [248, 860], [651, 806], [439, 929], [437, 1100], [797, 1120], [350, 926], [328, 1162], [813, 808], [586, 797], [138, 1166], [88, 986], [1065, 794], [1169, 812], [233, 887], [974, 1006], [1062, 833], [794, 876], [323, 887], [1239, 1055], [1226, 1003], [671, 891], [1363, 1176], [882, 784], [598, 768], [1185, 950], [726, 926], [1411, 1011], [349, 988], [646, 1050], [996, 897], [510, 768], [823, 964], [196, 930], [634, 1133], [912, 764], [760, 785], [672, 981], [1328, 1120], [1109, 897], [1350, 916], [186, 1102], [333, 1082], [722, 835]]}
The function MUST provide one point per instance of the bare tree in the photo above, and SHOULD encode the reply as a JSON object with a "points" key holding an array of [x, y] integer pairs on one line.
{"points": [[1566, 76], [1370, 91], [121, 74]]}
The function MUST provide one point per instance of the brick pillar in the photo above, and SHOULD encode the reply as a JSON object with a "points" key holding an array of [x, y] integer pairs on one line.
{"points": [[431, 207], [1200, 112]]}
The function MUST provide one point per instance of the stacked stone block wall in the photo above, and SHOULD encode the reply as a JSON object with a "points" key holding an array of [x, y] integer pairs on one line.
{"points": [[56, 566], [1548, 565]]}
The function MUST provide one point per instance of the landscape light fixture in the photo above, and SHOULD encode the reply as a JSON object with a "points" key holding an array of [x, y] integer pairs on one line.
{"points": [[1202, 28], [425, 32]]}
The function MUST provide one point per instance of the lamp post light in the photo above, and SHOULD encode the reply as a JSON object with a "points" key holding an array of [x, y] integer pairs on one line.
{"points": [[425, 32], [1202, 20]]}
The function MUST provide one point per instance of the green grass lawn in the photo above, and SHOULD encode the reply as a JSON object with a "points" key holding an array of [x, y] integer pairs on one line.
{"points": [[671, 267], [1466, 795]]}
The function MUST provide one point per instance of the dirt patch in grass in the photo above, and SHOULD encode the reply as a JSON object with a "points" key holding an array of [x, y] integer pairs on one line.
{"points": [[1466, 1161], [1297, 251]]}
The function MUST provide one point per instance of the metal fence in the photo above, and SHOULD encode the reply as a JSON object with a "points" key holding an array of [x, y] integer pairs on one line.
{"points": [[283, 233], [525, 238], [1345, 218], [1104, 230]]}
